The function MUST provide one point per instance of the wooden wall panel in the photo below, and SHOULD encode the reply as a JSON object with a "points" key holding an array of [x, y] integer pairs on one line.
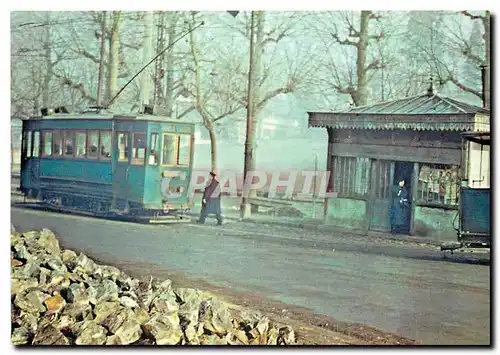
{"points": [[398, 153]]}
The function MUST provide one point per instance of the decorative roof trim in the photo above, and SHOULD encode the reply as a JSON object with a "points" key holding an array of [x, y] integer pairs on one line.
{"points": [[416, 122]]}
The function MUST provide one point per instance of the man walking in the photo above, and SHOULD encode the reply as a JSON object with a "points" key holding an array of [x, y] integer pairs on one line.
{"points": [[210, 204]]}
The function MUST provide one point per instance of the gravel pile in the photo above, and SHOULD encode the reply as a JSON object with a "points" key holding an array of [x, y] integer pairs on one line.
{"points": [[59, 297]]}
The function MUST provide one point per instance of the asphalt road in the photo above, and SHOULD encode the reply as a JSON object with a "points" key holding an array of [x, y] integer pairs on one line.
{"points": [[409, 290]]}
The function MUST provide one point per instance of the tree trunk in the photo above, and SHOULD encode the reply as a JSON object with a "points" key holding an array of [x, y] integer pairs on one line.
{"points": [[257, 96], [169, 95], [114, 50], [199, 100], [487, 49], [360, 98], [160, 45], [147, 48], [101, 59], [245, 210], [213, 143]]}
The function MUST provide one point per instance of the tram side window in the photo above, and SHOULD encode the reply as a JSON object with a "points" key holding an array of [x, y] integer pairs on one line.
{"points": [[105, 152], [153, 155], [184, 149], [36, 144], [138, 148], [80, 142], [93, 144], [122, 147], [28, 141], [46, 144], [57, 138], [169, 149], [68, 144]]}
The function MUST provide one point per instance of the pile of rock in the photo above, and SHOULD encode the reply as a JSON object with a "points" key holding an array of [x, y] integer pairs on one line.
{"points": [[61, 298]]}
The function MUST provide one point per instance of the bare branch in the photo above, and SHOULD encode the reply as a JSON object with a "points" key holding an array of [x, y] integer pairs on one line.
{"points": [[377, 37], [59, 58], [96, 16], [228, 113], [346, 41], [282, 35], [467, 51], [132, 46], [65, 81], [87, 54], [455, 81], [271, 94], [376, 64], [232, 26], [472, 17], [241, 100], [191, 108], [353, 32], [345, 90]]}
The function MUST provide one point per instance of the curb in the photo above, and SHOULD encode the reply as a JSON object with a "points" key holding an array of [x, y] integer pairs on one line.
{"points": [[334, 229]]}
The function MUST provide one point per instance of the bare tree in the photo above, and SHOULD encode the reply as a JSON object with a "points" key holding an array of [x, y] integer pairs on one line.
{"points": [[166, 84], [475, 57], [356, 43], [170, 62], [258, 95], [34, 59], [114, 50], [112, 62], [102, 54], [452, 34], [203, 90]]}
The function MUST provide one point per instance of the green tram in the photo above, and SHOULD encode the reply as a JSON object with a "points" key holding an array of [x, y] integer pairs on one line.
{"points": [[106, 163]]}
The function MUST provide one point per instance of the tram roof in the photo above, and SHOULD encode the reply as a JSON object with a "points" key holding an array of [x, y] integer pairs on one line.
{"points": [[107, 116]]}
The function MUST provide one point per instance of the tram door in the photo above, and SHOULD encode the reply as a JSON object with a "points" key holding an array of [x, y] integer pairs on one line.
{"points": [[121, 168], [381, 194], [30, 161]]}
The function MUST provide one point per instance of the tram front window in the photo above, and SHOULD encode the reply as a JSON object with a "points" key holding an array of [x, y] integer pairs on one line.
{"points": [[169, 149], [184, 149]]}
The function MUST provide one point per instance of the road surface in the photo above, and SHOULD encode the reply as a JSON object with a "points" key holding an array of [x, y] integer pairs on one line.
{"points": [[406, 290]]}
